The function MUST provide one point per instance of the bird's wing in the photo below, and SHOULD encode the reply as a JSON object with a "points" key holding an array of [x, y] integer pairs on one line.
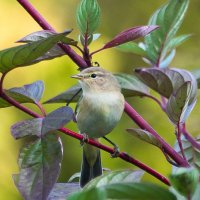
{"points": [[77, 107]]}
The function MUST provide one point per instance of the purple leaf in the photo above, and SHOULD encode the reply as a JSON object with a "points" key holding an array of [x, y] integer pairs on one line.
{"points": [[129, 35], [39, 164], [27, 128], [57, 119]]}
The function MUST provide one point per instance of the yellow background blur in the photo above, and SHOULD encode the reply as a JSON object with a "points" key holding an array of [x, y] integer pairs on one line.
{"points": [[117, 15]]}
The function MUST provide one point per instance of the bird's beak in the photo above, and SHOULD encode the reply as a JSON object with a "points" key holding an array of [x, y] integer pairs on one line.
{"points": [[77, 76]]}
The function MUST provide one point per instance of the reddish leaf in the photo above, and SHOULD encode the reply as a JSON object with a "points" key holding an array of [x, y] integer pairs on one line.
{"points": [[129, 35]]}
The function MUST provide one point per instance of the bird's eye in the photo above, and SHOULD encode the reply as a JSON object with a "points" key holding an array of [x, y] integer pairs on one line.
{"points": [[93, 75]]}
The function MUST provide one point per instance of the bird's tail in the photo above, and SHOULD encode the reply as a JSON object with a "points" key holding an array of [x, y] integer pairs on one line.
{"points": [[91, 164]]}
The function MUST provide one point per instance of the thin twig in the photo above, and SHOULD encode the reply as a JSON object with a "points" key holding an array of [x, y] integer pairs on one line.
{"points": [[190, 138], [178, 135], [156, 100], [41, 108]]}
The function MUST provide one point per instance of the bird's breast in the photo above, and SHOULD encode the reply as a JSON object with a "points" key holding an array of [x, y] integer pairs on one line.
{"points": [[99, 113]]}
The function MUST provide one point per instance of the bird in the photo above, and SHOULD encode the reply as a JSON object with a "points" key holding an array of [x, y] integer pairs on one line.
{"points": [[99, 110]]}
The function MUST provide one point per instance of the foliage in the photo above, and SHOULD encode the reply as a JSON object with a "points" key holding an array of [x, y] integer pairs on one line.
{"points": [[40, 160]]}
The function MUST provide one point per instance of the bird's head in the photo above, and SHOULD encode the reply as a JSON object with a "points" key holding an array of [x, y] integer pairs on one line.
{"points": [[96, 79]]}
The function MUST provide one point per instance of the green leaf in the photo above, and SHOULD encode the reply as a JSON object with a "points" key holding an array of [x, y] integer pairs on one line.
{"points": [[27, 128], [175, 42], [145, 136], [131, 85], [128, 191], [27, 54], [156, 79], [39, 164], [138, 191], [97, 194], [169, 18], [66, 96], [191, 153], [88, 18], [185, 180], [132, 47], [57, 119], [119, 176], [177, 105]]}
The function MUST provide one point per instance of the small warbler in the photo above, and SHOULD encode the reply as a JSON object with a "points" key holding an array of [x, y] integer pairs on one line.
{"points": [[99, 111]]}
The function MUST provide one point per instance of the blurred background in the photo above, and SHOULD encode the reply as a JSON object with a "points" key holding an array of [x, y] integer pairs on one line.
{"points": [[117, 15]]}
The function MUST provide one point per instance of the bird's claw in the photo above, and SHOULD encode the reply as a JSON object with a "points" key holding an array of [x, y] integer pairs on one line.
{"points": [[85, 139], [116, 152]]}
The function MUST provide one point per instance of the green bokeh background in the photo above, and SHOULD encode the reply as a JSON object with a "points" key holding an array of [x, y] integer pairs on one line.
{"points": [[117, 15]]}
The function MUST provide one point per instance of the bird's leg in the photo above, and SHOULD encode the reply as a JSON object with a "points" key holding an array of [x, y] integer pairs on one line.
{"points": [[85, 139], [116, 148]]}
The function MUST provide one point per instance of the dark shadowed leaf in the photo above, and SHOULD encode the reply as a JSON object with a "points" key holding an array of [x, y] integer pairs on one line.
{"points": [[66, 96], [27, 54], [129, 35], [131, 85], [165, 81], [169, 18], [185, 180], [180, 76], [57, 119], [39, 164], [156, 79], [195, 196], [63, 190], [33, 91], [132, 47], [120, 176], [27, 128], [145, 136], [177, 105], [191, 153]]}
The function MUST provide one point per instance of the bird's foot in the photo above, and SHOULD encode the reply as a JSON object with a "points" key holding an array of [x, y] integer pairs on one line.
{"points": [[85, 139], [116, 152]]}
